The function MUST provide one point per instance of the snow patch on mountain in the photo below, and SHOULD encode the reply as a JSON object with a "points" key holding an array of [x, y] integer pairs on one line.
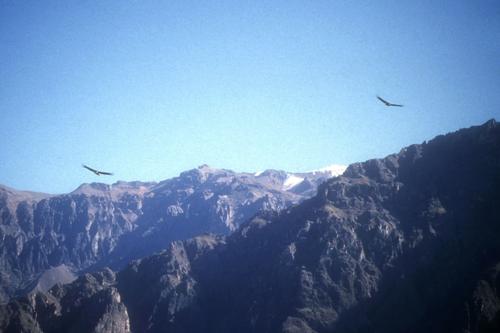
{"points": [[291, 181], [334, 169]]}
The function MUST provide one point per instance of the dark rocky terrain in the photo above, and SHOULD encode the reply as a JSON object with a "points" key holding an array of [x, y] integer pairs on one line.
{"points": [[53, 237], [408, 243]]}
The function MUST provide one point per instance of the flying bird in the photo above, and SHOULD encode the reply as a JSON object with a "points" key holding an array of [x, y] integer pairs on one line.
{"points": [[388, 103], [97, 172]]}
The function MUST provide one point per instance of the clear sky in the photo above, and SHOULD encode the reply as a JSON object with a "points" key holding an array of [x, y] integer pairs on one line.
{"points": [[147, 89]]}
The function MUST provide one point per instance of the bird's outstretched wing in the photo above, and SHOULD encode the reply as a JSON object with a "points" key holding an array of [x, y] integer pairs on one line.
{"points": [[400, 105], [383, 101], [97, 172], [89, 168]]}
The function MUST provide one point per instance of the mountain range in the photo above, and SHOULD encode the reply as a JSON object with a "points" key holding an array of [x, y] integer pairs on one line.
{"points": [[45, 239], [406, 243]]}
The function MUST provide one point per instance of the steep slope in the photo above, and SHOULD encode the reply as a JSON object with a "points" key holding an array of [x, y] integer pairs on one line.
{"points": [[207, 200], [74, 229], [101, 225], [408, 243]]}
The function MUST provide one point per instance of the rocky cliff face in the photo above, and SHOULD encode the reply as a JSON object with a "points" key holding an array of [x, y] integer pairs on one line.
{"points": [[75, 229], [101, 225], [408, 243]]}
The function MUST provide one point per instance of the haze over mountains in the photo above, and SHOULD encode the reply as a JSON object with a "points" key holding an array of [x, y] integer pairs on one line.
{"points": [[53, 237], [407, 243]]}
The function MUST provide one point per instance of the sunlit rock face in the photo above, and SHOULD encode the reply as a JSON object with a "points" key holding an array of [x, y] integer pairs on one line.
{"points": [[100, 225]]}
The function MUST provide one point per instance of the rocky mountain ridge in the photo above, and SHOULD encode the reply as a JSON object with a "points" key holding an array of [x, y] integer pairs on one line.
{"points": [[101, 225], [408, 243]]}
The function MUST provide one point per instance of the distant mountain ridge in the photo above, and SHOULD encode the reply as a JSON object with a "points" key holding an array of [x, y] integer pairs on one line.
{"points": [[407, 243], [100, 225]]}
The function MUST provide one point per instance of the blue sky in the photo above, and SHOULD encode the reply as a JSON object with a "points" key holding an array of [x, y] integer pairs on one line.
{"points": [[147, 89]]}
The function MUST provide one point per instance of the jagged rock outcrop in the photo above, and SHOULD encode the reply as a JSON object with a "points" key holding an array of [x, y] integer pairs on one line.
{"points": [[90, 304], [100, 225], [408, 243]]}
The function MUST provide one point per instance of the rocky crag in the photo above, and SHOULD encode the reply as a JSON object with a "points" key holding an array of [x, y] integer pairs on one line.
{"points": [[100, 225]]}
